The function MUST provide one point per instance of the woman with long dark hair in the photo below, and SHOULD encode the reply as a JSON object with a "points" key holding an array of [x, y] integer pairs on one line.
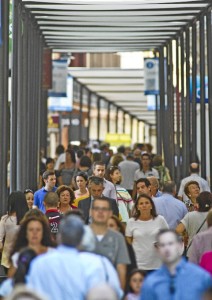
{"points": [[9, 225], [141, 232]]}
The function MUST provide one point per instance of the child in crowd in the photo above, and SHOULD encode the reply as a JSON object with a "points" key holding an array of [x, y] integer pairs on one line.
{"points": [[51, 201], [135, 282]]}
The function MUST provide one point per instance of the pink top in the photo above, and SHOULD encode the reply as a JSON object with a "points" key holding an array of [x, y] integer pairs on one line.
{"points": [[206, 261]]}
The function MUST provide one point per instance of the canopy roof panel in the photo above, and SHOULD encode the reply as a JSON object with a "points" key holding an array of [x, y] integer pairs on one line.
{"points": [[94, 26]]}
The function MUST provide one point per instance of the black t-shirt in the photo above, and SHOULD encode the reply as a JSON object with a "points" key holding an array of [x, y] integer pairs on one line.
{"points": [[54, 218]]}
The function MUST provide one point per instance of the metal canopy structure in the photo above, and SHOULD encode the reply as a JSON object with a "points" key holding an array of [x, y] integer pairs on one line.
{"points": [[108, 26], [123, 87]]}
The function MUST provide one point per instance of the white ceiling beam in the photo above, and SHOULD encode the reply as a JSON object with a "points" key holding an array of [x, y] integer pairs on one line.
{"points": [[105, 29]]}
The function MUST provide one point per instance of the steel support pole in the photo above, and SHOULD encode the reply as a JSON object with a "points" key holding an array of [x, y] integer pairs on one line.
{"points": [[187, 147], [98, 118], [202, 97], [4, 113], [131, 126], [80, 111], [117, 118], [194, 94], [108, 116], [209, 55], [182, 75], [178, 130], [138, 131], [158, 125], [89, 114], [162, 95], [44, 120]]}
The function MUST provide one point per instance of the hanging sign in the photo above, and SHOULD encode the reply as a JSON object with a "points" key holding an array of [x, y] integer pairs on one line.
{"points": [[59, 78], [151, 76]]}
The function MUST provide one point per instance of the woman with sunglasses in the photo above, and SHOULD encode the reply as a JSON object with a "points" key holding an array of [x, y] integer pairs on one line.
{"points": [[29, 197], [125, 202]]}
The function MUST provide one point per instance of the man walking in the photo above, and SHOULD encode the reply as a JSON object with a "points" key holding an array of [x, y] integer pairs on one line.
{"points": [[177, 279], [49, 179]]}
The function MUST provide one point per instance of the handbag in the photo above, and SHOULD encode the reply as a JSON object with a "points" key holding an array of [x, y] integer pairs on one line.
{"points": [[189, 245]]}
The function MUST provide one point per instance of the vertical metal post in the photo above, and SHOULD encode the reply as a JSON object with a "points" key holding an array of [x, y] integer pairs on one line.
{"points": [[131, 126], [178, 132], [209, 55], [194, 93], [162, 94], [124, 129], [108, 116], [182, 75], [138, 130], [4, 114], [89, 114], [80, 111], [202, 97], [117, 118], [158, 125], [98, 118]]}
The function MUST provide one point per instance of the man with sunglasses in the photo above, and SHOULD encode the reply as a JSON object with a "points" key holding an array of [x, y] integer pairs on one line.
{"points": [[177, 279], [109, 243], [96, 189]]}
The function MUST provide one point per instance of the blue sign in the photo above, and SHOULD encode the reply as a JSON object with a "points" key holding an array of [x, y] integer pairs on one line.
{"points": [[151, 76], [0, 23], [198, 90]]}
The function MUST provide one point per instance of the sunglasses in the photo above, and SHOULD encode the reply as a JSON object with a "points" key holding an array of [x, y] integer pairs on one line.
{"points": [[28, 191]]}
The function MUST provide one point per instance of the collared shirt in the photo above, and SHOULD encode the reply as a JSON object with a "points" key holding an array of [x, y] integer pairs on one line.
{"points": [[204, 187], [141, 174], [66, 274], [172, 209], [201, 243], [189, 282], [109, 190], [39, 197]]}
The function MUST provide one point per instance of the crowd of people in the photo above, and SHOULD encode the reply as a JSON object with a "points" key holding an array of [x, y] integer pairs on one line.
{"points": [[105, 226]]}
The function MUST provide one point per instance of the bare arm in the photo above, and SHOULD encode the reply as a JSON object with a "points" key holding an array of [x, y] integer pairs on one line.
{"points": [[129, 239], [134, 191], [121, 270], [180, 229]]}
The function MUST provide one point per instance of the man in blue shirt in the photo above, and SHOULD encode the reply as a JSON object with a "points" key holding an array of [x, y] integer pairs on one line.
{"points": [[172, 209], [50, 181], [65, 273], [177, 279]]}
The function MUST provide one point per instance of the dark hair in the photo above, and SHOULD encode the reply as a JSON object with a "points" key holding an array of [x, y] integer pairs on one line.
{"points": [[204, 201], [21, 237], [136, 212], [75, 212], [85, 161], [72, 154], [102, 199], [130, 275], [25, 257], [51, 199], [17, 204], [34, 212], [98, 163], [119, 224], [144, 180], [186, 188], [146, 154], [49, 160], [60, 149], [110, 171], [63, 188], [81, 174], [96, 180], [194, 170], [26, 191], [48, 173], [80, 153], [116, 159], [166, 230], [168, 187]]}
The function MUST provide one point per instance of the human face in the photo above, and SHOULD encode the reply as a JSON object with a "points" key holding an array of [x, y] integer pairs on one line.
{"points": [[116, 176], [50, 181], [50, 166], [112, 224], [30, 199], [34, 233], [169, 249], [145, 161], [194, 191], [65, 197], [99, 171], [144, 205], [96, 190], [101, 212], [136, 282], [142, 189], [81, 182]]}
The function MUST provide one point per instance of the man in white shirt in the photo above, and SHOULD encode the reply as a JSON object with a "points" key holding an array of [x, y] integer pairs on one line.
{"points": [[99, 171], [194, 171]]}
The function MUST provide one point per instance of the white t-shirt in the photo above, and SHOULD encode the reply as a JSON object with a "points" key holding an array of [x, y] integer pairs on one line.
{"points": [[144, 236]]}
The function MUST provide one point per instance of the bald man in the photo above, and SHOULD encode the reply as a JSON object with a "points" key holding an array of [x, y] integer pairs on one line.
{"points": [[194, 176]]}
